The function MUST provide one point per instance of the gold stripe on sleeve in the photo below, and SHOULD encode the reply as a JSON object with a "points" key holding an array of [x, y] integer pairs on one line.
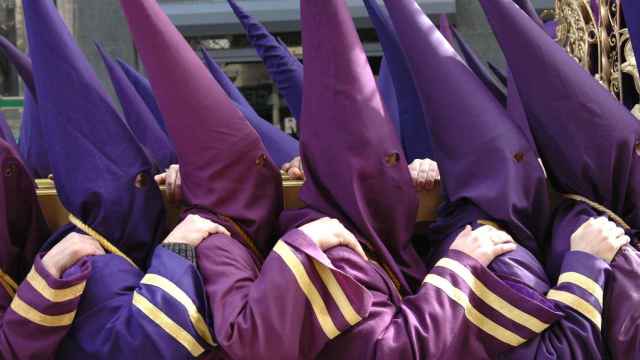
{"points": [[26, 311], [169, 326], [308, 288], [179, 295], [584, 282], [337, 293], [500, 305], [473, 315], [54, 295], [578, 304]]}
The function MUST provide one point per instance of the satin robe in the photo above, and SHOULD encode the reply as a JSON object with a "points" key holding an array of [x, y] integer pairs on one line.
{"points": [[35, 317]]}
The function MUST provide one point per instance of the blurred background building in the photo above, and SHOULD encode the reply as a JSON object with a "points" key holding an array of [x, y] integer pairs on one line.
{"points": [[212, 25]]}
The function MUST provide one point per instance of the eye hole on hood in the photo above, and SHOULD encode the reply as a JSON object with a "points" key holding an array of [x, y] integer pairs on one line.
{"points": [[637, 147], [141, 181], [261, 160], [392, 159]]}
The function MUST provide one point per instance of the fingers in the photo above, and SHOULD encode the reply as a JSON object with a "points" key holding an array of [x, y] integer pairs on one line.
{"points": [[295, 173], [161, 179], [502, 249], [212, 228], [349, 240], [172, 175]]}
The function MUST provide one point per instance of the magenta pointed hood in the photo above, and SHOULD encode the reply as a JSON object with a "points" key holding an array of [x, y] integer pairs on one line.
{"points": [[354, 163], [226, 172]]}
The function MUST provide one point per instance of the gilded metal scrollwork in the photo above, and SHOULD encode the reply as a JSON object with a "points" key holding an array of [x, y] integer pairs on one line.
{"points": [[599, 41]]}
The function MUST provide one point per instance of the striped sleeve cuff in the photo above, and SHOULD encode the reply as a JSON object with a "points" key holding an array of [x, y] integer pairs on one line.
{"points": [[505, 314], [48, 301], [171, 300], [580, 285], [337, 301]]}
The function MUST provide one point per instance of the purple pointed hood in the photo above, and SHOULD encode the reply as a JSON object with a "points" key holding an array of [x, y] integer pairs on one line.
{"points": [[445, 28], [22, 226], [20, 61], [285, 70], [530, 10], [415, 136], [350, 154], [144, 90], [388, 93], [478, 67], [102, 173], [587, 139], [139, 117], [32, 145], [485, 160], [281, 147], [5, 131], [226, 173], [500, 75]]}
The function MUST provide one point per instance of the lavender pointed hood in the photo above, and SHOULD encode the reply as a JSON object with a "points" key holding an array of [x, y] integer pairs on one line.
{"points": [[415, 136], [138, 116], [285, 70], [32, 145], [281, 147], [484, 158], [587, 139], [144, 90], [478, 67]]}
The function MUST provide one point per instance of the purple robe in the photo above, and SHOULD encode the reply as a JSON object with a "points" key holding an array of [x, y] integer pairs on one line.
{"points": [[436, 66], [567, 109], [140, 300]]}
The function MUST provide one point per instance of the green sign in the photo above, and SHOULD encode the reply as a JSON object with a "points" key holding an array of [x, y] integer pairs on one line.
{"points": [[11, 103]]}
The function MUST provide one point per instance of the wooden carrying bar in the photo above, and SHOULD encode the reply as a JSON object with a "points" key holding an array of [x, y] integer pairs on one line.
{"points": [[57, 216]]}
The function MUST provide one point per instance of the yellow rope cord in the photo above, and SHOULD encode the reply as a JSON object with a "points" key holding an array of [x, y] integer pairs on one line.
{"points": [[617, 219], [101, 239]]}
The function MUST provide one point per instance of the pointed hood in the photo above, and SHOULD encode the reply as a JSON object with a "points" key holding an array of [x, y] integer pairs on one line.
{"points": [[485, 160], [500, 75], [20, 61], [144, 90], [5, 131], [22, 226], [587, 139], [226, 173], [445, 28], [102, 174], [388, 93], [530, 10], [281, 147], [32, 145], [631, 11], [350, 156], [285, 70], [139, 117], [415, 136], [478, 67]]}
